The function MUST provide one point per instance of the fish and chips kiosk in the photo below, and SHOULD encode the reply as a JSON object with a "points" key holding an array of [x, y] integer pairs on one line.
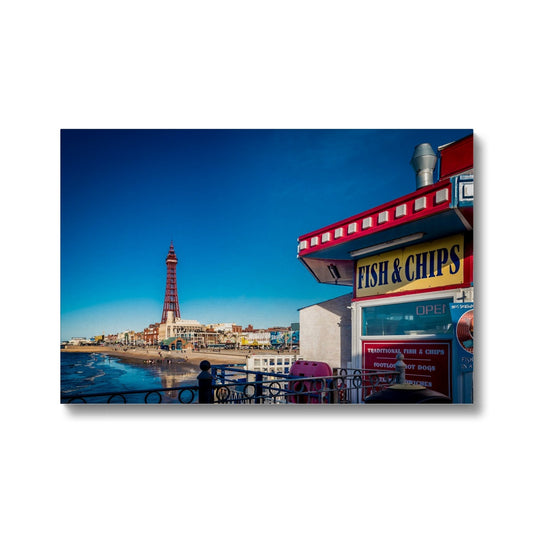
{"points": [[410, 265]]}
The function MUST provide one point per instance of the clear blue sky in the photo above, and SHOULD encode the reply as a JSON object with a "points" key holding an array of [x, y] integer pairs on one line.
{"points": [[233, 202]]}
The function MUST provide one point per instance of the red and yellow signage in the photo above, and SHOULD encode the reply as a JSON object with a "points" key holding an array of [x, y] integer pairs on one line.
{"points": [[428, 265]]}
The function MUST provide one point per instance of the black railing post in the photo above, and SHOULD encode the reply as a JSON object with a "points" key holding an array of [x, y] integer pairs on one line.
{"points": [[258, 388], [205, 383]]}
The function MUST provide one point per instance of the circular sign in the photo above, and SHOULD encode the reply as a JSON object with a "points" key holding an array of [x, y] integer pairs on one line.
{"points": [[465, 331]]}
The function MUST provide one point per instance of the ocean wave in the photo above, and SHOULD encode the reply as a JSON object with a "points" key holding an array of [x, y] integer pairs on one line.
{"points": [[97, 375], [68, 391]]}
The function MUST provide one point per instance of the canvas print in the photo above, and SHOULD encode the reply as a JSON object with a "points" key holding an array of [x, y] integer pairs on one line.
{"points": [[267, 267]]}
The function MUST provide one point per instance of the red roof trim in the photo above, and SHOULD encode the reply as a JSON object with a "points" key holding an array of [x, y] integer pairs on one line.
{"points": [[431, 207]]}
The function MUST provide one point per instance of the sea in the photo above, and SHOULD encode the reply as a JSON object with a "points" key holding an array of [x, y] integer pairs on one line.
{"points": [[87, 373]]}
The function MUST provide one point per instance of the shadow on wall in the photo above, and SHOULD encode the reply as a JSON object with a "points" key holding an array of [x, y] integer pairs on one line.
{"points": [[326, 332], [345, 324]]}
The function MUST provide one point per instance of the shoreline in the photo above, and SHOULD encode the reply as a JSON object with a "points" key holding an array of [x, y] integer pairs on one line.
{"points": [[191, 360]]}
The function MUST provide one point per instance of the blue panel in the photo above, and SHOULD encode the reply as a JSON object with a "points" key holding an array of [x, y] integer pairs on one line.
{"points": [[462, 191]]}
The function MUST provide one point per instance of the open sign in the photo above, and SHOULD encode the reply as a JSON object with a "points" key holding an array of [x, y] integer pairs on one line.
{"points": [[432, 309]]}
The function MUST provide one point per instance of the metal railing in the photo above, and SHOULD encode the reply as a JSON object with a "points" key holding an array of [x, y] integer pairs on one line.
{"points": [[233, 384], [182, 395], [237, 385]]}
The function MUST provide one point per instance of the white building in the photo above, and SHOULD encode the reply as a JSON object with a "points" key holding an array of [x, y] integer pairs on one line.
{"points": [[126, 337], [224, 326], [255, 338], [79, 341], [325, 332], [188, 330], [276, 363]]}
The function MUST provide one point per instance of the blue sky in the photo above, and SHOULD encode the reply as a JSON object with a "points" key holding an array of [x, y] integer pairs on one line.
{"points": [[233, 202]]}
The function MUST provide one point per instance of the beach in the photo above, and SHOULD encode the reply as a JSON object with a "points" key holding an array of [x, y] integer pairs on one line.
{"points": [[97, 369], [189, 361], [103, 369]]}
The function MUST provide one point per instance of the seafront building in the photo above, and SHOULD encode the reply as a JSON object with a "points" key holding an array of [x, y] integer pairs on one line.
{"points": [[150, 335], [190, 334], [259, 338], [80, 341], [178, 333]]}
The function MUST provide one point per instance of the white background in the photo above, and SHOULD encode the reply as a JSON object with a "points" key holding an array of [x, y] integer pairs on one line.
{"points": [[336, 64]]}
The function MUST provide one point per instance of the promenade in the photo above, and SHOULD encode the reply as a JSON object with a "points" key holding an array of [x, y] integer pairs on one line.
{"points": [[152, 352]]}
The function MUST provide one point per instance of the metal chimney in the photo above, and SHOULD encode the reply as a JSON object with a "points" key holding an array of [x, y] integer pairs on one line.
{"points": [[424, 161]]}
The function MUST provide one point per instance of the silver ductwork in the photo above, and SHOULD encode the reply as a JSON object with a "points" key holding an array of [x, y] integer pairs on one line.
{"points": [[424, 161]]}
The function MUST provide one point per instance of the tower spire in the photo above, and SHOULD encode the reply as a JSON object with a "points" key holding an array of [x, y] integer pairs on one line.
{"points": [[171, 292]]}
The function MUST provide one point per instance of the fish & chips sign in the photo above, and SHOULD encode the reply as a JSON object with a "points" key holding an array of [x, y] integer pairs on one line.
{"points": [[435, 264]]}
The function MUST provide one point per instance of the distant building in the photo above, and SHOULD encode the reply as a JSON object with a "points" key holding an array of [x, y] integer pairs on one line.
{"points": [[259, 338], [79, 341], [151, 334], [275, 364], [126, 337], [190, 333], [221, 327]]}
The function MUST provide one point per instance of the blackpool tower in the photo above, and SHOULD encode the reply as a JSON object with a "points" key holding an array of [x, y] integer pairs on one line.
{"points": [[171, 292]]}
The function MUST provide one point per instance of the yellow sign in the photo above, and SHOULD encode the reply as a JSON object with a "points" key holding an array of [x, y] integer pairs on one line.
{"points": [[422, 266]]}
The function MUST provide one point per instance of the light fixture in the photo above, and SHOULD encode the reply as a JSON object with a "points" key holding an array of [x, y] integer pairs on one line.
{"points": [[388, 244], [334, 271]]}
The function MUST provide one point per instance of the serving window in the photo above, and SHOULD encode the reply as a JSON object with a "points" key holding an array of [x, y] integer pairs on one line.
{"points": [[421, 317]]}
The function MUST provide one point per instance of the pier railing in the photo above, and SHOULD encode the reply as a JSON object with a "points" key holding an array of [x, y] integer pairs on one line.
{"points": [[183, 395], [233, 384]]}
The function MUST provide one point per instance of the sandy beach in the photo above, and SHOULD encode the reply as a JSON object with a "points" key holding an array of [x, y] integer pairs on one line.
{"points": [[190, 361]]}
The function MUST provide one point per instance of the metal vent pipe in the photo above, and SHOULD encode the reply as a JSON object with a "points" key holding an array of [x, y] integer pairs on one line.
{"points": [[424, 161]]}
